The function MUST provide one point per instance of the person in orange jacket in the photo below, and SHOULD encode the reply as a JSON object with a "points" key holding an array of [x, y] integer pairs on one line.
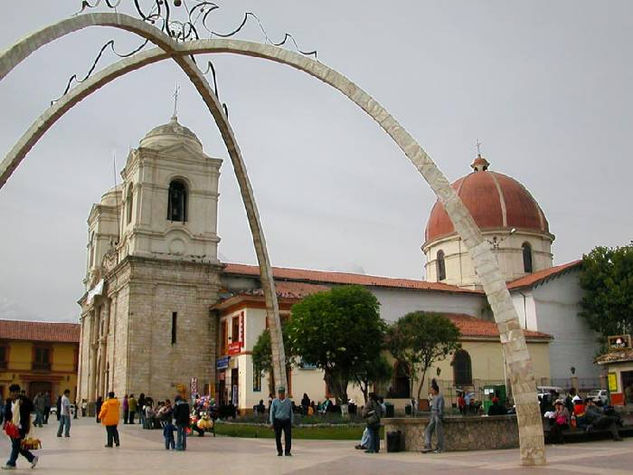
{"points": [[109, 415]]}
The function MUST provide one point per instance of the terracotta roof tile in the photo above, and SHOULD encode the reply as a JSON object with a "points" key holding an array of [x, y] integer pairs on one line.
{"points": [[39, 331], [618, 356], [542, 275], [291, 290], [470, 326], [326, 277]]}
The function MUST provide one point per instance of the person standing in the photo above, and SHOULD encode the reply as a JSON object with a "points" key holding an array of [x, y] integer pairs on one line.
{"points": [[281, 418], [181, 418], [64, 416], [435, 421], [132, 406], [109, 415], [47, 406], [372, 412], [98, 405], [17, 411], [40, 406], [58, 406], [141, 409], [126, 409]]}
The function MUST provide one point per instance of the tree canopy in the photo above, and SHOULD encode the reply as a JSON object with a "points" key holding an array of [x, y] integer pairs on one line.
{"points": [[607, 279], [339, 331], [420, 339]]}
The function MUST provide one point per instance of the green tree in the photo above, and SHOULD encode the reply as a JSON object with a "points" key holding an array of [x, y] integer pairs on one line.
{"points": [[263, 357], [420, 339], [376, 371], [339, 331], [607, 278]]}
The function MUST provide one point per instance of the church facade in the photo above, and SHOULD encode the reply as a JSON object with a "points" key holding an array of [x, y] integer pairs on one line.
{"points": [[162, 315]]}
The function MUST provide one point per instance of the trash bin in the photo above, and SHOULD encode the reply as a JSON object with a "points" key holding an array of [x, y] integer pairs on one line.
{"points": [[389, 410], [407, 409]]}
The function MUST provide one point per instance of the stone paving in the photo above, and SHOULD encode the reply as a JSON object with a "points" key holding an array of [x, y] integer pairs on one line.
{"points": [[143, 452]]}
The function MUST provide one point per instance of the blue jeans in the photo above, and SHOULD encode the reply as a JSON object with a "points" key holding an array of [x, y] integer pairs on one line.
{"points": [[16, 449], [374, 439], [39, 418], [435, 424], [181, 437], [64, 421]]}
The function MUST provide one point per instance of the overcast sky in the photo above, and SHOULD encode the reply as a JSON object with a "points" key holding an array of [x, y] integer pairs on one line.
{"points": [[544, 85]]}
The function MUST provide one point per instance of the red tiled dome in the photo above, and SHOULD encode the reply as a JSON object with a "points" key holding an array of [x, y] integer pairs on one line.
{"points": [[494, 200]]}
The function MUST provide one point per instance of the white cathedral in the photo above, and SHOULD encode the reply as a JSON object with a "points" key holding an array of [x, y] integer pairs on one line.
{"points": [[162, 315]]}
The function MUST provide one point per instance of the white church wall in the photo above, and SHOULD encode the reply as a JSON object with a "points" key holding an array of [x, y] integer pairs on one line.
{"points": [[557, 304], [394, 303]]}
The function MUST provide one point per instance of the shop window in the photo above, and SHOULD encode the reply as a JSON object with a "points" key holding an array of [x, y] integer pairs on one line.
{"points": [[440, 266], [527, 258], [42, 358], [462, 369], [224, 337], [235, 329], [4, 353], [177, 201]]}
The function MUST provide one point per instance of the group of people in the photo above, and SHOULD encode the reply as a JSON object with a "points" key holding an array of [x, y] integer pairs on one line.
{"points": [[584, 414]]}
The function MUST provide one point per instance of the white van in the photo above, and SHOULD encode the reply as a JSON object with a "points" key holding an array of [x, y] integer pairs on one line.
{"points": [[542, 390]]}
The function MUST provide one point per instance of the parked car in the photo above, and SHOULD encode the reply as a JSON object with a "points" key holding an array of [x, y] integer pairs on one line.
{"points": [[599, 395], [53, 411]]}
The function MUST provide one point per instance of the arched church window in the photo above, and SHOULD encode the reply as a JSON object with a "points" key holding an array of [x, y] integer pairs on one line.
{"points": [[462, 369], [129, 204], [401, 381], [177, 204], [440, 266], [527, 258]]}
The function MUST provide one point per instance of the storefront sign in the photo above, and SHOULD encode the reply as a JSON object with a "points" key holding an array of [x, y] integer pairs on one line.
{"points": [[613, 382], [222, 363], [193, 386], [235, 348]]}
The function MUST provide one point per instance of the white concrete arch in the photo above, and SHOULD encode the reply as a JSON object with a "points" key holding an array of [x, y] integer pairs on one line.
{"points": [[512, 338]]}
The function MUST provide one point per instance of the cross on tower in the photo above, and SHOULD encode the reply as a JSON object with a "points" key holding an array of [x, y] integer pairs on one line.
{"points": [[478, 145], [176, 90]]}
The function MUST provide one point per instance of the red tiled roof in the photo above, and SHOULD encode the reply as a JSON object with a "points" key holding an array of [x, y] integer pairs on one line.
{"points": [[470, 326], [291, 290], [618, 356], [326, 277], [542, 275], [39, 331]]}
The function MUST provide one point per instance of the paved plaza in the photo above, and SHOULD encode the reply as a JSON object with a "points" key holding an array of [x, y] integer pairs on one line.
{"points": [[143, 452]]}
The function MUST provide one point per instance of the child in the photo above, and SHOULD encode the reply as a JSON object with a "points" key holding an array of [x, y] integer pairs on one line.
{"points": [[168, 433]]}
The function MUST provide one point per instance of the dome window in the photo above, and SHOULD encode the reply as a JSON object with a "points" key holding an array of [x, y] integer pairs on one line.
{"points": [[527, 258], [440, 266], [462, 369], [177, 201]]}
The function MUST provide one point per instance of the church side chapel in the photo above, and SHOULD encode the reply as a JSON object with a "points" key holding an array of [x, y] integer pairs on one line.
{"points": [[160, 311]]}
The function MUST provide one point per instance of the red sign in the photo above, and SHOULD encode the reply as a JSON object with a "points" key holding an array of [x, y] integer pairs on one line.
{"points": [[235, 348]]}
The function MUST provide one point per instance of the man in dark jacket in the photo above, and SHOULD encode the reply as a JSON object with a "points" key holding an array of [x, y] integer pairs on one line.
{"points": [[181, 418], [24, 405], [597, 420]]}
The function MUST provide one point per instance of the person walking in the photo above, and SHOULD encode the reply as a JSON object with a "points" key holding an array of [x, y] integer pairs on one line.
{"points": [[141, 409], [109, 415], [372, 412], [40, 406], [132, 406], [281, 418], [17, 412], [435, 421], [64, 416], [181, 418]]}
